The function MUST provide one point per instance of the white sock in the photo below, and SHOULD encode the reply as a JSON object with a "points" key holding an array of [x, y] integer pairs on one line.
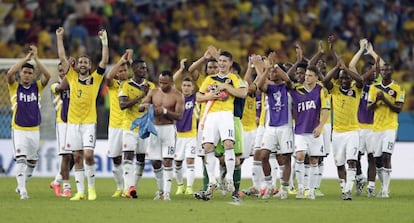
{"points": [[80, 180], [119, 179], [300, 173], [129, 174], [321, 168], [139, 169], [386, 176], [371, 185], [210, 166], [178, 175], [90, 175], [168, 176], [230, 161], [58, 179], [29, 170], [281, 170], [21, 174], [190, 175], [292, 175], [350, 179], [257, 174], [313, 176], [274, 168], [306, 176], [66, 185], [159, 178]]}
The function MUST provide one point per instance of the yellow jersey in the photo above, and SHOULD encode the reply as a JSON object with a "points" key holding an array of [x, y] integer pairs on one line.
{"points": [[209, 85], [384, 118], [345, 105], [83, 94], [249, 114], [115, 112], [131, 89]]}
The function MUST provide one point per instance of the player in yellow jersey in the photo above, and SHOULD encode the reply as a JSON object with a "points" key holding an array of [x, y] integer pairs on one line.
{"points": [[386, 99], [81, 130], [25, 100], [113, 80], [61, 103], [131, 95], [345, 137], [220, 89]]}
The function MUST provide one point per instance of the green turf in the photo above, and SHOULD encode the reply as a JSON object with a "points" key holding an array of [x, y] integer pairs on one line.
{"points": [[43, 206]]}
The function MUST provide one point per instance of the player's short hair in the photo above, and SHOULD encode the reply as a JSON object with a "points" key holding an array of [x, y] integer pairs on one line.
{"points": [[302, 65], [227, 54], [28, 65], [166, 73], [136, 62], [236, 66], [187, 78], [314, 69]]}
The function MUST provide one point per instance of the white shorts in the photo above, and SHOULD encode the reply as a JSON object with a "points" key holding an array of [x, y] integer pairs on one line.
{"points": [[162, 145], [259, 137], [218, 125], [80, 136], [61, 138], [309, 144], [133, 143], [185, 148], [115, 136], [278, 139], [327, 138], [384, 142], [345, 146], [248, 143], [26, 143], [366, 141]]}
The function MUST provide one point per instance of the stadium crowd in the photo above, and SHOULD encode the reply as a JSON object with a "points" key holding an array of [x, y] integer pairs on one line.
{"points": [[163, 32]]}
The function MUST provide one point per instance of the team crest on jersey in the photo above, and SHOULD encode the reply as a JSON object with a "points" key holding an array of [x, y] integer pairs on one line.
{"points": [[227, 81], [350, 93], [391, 92]]}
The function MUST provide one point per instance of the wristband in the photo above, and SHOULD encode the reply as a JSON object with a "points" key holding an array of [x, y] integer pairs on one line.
{"points": [[164, 111]]}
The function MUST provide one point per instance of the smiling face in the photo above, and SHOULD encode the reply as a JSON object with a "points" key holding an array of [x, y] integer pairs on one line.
{"points": [[83, 65], [122, 72], [224, 64], [212, 68]]}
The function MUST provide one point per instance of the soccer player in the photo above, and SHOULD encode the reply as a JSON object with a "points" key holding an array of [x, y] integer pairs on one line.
{"points": [[131, 95], [278, 135], [25, 100], [186, 137], [345, 136], [220, 89], [168, 106], [386, 99], [113, 80], [366, 120], [61, 103], [81, 128], [312, 109]]}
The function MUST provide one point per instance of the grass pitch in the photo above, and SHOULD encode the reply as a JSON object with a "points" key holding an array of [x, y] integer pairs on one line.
{"points": [[43, 206]]}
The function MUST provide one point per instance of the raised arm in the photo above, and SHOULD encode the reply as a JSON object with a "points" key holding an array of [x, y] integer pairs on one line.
{"points": [[179, 73], [109, 79], [317, 55], [284, 76], [61, 49], [105, 51], [370, 51], [45, 72], [11, 73], [358, 79], [299, 58], [327, 79], [355, 58]]}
